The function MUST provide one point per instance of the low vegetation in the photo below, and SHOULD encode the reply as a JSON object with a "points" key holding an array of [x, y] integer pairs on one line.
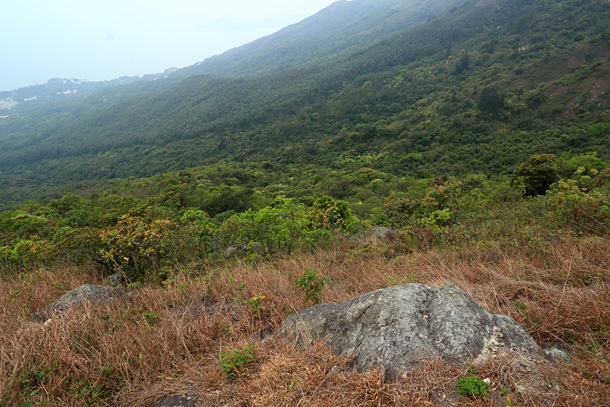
{"points": [[541, 259]]}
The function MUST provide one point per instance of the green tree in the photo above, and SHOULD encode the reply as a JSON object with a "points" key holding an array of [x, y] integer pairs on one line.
{"points": [[490, 101], [537, 174]]}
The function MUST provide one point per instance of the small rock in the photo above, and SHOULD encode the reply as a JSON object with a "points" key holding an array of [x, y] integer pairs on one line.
{"points": [[117, 280], [335, 371], [233, 250], [263, 334], [178, 400], [94, 294], [379, 232], [605, 286]]}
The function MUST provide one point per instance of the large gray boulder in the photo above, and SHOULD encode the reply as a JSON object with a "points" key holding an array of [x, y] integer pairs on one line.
{"points": [[94, 294], [395, 327]]}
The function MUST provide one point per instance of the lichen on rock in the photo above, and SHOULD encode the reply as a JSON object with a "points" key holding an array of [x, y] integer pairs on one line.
{"points": [[396, 327]]}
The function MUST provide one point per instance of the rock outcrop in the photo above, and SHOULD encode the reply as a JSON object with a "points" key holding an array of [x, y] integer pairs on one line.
{"points": [[379, 232], [94, 294], [178, 400], [396, 327], [117, 280]]}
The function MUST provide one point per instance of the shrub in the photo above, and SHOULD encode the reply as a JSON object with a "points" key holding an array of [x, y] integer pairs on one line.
{"points": [[257, 305], [235, 361], [282, 227], [204, 229], [568, 165], [136, 247], [312, 284], [472, 386], [26, 253], [439, 206], [573, 207], [537, 174], [329, 214]]}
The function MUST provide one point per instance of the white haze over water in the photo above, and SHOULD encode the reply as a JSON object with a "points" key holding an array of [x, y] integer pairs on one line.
{"points": [[101, 40]]}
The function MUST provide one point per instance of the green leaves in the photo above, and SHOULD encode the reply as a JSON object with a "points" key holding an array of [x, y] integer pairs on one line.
{"points": [[537, 174], [312, 284], [235, 361], [472, 386], [281, 227]]}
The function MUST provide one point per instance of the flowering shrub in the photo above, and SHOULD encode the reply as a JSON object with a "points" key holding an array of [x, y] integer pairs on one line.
{"points": [[327, 213], [582, 211], [25, 253], [439, 206], [136, 247]]}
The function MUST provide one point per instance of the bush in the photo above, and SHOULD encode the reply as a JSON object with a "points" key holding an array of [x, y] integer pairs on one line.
{"points": [[137, 247], [568, 165], [329, 214], [472, 386], [235, 361], [282, 227], [26, 253], [205, 231], [583, 212], [439, 206], [537, 174], [312, 284]]}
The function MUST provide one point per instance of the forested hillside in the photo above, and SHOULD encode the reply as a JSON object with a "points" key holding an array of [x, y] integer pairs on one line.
{"points": [[479, 89], [341, 29]]}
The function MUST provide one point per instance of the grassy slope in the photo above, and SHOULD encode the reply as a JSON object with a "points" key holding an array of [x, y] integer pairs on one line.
{"points": [[167, 340]]}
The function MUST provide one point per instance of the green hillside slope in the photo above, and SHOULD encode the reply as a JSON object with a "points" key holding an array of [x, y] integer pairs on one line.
{"points": [[479, 89]]}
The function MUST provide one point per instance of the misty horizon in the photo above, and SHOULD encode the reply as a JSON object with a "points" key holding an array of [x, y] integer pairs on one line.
{"points": [[62, 41]]}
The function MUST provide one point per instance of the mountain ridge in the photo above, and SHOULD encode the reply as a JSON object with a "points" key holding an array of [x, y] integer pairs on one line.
{"points": [[336, 30]]}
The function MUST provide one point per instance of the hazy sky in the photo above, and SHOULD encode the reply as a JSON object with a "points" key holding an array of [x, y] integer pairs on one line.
{"points": [[95, 39]]}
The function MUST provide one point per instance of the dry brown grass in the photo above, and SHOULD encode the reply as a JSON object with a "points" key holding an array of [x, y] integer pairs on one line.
{"points": [[169, 339]]}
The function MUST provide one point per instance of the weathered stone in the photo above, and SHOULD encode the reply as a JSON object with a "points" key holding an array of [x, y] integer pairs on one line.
{"points": [[263, 334], [379, 232], [178, 400], [396, 327], [554, 351], [252, 247], [603, 286], [94, 294], [116, 280], [234, 250]]}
